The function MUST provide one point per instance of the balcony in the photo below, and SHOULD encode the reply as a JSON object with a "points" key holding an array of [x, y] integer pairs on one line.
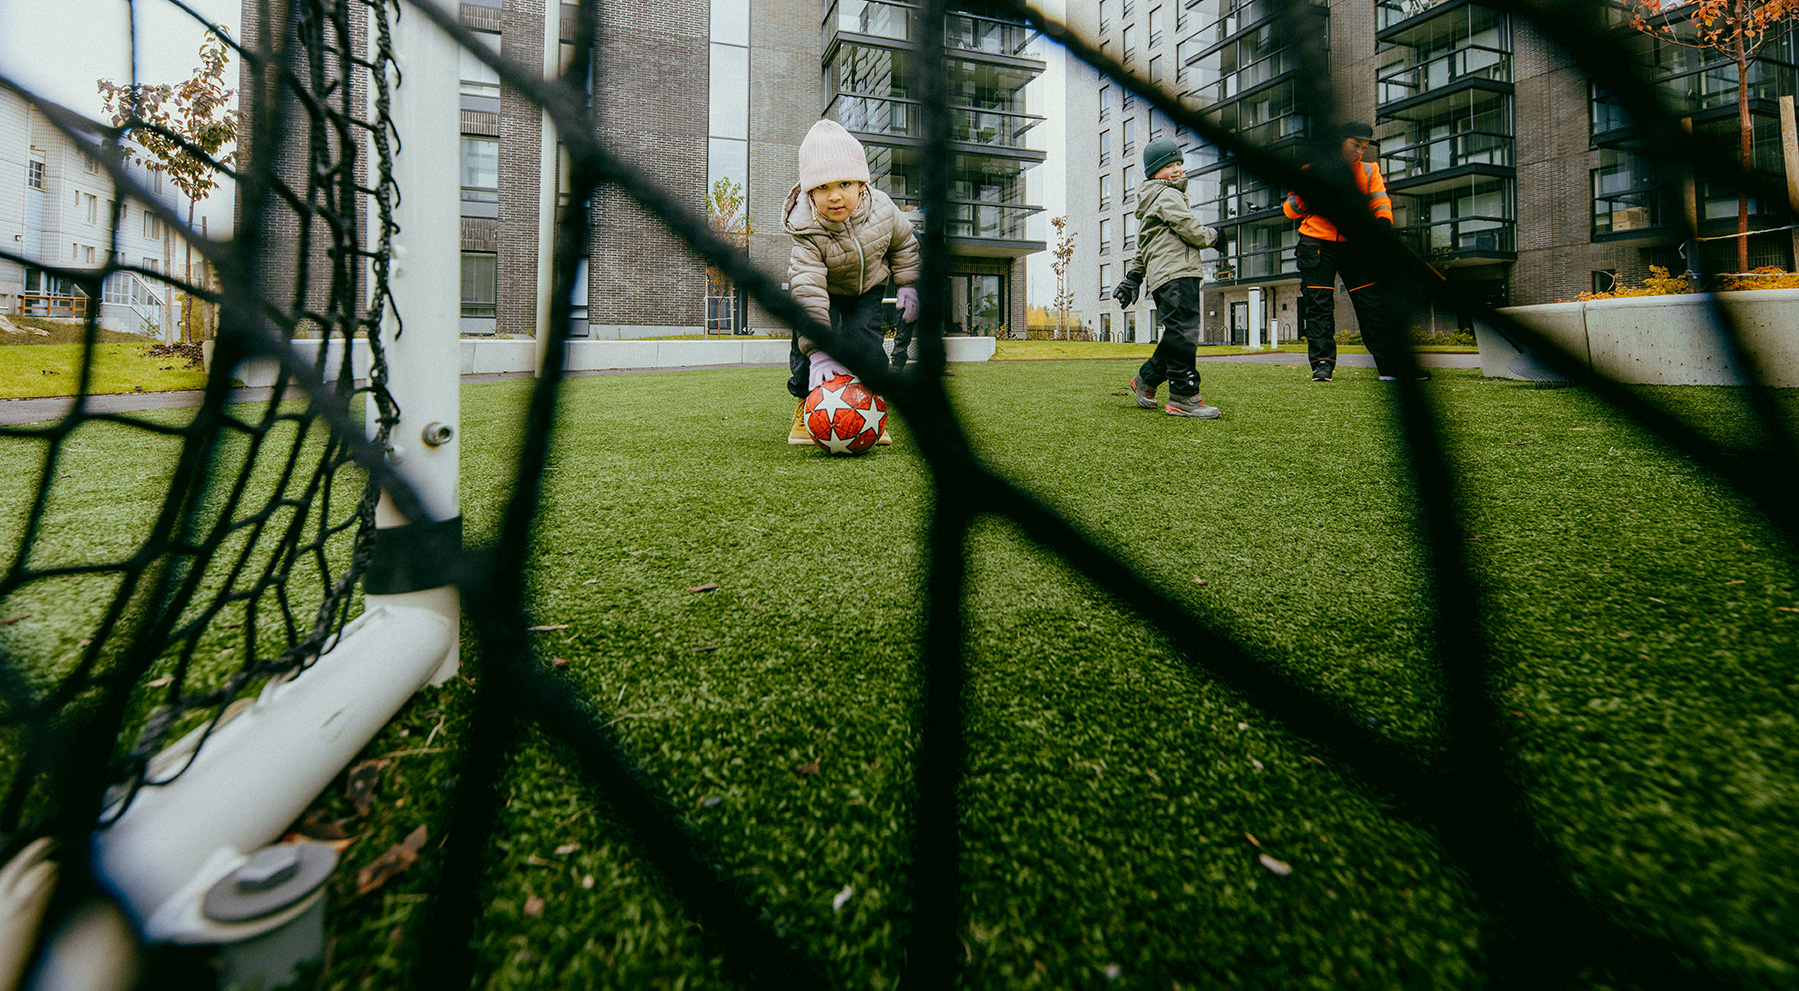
{"points": [[1468, 150], [982, 220], [962, 32], [1225, 79], [1473, 64], [1446, 241], [905, 118], [1247, 15]]}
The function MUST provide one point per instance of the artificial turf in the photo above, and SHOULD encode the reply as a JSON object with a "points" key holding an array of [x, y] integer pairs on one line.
{"points": [[1123, 815]]}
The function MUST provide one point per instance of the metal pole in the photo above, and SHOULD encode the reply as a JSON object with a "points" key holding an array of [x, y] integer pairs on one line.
{"points": [[425, 360]]}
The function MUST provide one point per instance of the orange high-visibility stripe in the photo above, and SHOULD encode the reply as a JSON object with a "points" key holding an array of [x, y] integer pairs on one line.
{"points": [[1362, 286]]}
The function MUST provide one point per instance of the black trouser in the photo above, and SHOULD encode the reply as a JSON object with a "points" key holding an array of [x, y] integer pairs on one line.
{"points": [[857, 320], [1320, 263], [1177, 301], [904, 344]]}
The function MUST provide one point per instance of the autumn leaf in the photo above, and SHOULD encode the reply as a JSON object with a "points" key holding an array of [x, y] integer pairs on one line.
{"points": [[811, 768], [708, 587], [392, 863], [1280, 867], [360, 784], [533, 906]]}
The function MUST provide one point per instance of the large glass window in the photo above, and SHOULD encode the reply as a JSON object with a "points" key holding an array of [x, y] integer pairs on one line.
{"points": [[478, 79], [480, 271], [1624, 195], [1155, 26], [480, 169], [1130, 136], [1105, 235], [978, 305]]}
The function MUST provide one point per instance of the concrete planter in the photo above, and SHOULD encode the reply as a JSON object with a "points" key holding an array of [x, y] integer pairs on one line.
{"points": [[520, 356], [1658, 340]]}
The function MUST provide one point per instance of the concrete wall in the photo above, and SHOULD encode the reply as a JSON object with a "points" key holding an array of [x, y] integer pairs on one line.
{"points": [[1662, 340], [512, 356]]}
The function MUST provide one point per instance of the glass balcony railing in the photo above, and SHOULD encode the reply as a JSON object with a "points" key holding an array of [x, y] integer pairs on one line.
{"points": [[969, 218], [899, 22], [1243, 15], [1391, 12], [1472, 62], [1225, 83], [1626, 210], [905, 118], [1449, 152], [1446, 237]]}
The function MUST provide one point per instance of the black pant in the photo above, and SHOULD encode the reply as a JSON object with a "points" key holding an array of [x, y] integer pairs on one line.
{"points": [[1320, 263], [1177, 301], [857, 320]]}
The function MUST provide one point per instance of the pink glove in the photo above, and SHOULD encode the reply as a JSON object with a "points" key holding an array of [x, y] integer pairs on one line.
{"points": [[824, 369], [908, 303]]}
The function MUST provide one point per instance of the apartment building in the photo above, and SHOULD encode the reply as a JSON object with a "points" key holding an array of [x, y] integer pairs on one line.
{"points": [[700, 90], [1518, 179], [56, 221]]}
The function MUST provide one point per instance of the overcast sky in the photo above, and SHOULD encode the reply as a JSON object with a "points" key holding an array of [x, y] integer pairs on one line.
{"points": [[60, 49]]}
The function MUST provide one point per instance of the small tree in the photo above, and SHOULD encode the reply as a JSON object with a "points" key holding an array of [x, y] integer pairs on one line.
{"points": [[725, 211], [1735, 29], [198, 113], [1063, 254]]}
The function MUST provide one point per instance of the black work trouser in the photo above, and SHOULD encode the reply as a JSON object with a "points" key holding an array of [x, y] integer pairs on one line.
{"points": [[857, 320], [1320, 263], [1177, 303]]}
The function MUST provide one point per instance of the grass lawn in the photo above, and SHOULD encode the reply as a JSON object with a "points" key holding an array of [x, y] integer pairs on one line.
{"points": [[1006, 349], [1118, 806], [54, 370]]}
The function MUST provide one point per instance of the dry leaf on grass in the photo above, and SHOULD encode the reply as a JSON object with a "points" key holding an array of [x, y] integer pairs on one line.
{"points": [[560, 662], [1280, 867], [567, 848], [360, 784], [533, 906], [708, 587], [392, 863], [811, 768], [546, 629]]}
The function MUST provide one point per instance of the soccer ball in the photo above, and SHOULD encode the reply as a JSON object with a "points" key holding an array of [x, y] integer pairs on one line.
{"points": [[843, 417]]}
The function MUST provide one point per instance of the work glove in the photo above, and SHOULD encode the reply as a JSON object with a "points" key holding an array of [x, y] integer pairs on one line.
{"points": [[1126, 290], [908, 303], [824, 369]]}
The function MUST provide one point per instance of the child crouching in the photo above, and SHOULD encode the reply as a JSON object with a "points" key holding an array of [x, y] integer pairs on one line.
{"points": [[849, 239]]}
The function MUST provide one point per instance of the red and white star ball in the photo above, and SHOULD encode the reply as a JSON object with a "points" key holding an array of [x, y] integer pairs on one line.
{"points": [[843, 417]]}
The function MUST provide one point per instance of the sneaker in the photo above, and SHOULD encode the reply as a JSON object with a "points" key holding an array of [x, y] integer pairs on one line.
{"points": [[1321, 376], [799, 434], [1191, 406], [885, 439], [1146, 398]]}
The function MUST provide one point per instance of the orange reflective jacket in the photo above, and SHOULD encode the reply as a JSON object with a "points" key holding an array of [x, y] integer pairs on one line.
{"points": [[1372, 185]]}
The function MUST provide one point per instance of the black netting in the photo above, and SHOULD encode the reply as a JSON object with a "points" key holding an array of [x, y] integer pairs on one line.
{"points": [[252, 552]]}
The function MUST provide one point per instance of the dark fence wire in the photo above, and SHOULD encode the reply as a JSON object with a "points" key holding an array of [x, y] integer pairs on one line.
{"points": [[1547, 932]]}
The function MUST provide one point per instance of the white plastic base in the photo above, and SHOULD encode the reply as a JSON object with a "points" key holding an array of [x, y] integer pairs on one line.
{"points": [[259, 770]]}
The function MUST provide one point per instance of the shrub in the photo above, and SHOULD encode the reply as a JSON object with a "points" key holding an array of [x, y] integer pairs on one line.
{"points": [[1659, 283]]}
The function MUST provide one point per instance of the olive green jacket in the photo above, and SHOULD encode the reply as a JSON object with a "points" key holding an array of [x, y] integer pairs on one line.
{"points": [[1168, 235]]}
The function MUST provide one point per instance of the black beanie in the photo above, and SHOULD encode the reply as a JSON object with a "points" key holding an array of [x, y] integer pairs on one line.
{"points": [[1356, 129]]}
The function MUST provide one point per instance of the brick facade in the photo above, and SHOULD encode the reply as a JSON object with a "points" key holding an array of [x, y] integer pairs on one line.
{"points": [[520, 127], [786, 95], [651, 105]]}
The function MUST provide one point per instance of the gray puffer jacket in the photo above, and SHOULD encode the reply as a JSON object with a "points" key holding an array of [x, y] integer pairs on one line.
{"points": [[875, 244], [1169, 237]]}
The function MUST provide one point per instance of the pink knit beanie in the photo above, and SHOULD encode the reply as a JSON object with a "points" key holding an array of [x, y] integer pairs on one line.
{"points": [[831, 154]]}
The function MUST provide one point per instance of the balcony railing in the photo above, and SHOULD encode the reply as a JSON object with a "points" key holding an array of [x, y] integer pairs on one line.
{"points": [[1461, 234], [972, 218], [58, 307], [1242, 16], [1391, 12], [1448, 152], [1472, 62], [1226, 84], [1627, 210], [899, 22], [904, 118]]}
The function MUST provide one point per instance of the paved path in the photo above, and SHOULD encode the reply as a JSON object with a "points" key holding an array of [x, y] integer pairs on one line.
{"points": [[15, 411]]}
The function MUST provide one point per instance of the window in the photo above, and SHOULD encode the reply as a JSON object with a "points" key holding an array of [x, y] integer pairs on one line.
{"points": [[1105, 102], [1105, 14], [34, 174], [1105, 190], [1105, 280], [152, 226], [1130, 184], [478, 79], [1130, 136], [93, 208], [156, 181], [480, 169], [1605, 280], [87, 253], [1155, 26], [152, 265], [1105, 326], [1130, 327], [479, 277], [1130, 39], [1105, 236], [1130, 231], [1105, 147], [1155, 69]]}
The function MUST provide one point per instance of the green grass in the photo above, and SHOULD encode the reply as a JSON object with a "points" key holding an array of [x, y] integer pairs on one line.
{"points": [[54, 370], [1006, 349], [1642, 619]]}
